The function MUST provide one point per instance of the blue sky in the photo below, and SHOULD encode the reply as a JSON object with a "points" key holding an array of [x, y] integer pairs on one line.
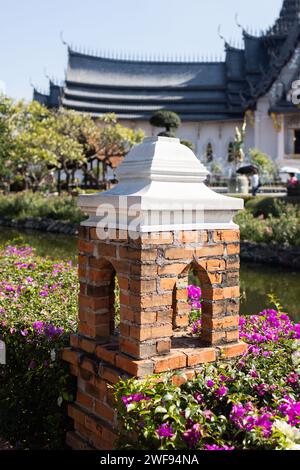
{"points": [[30, 44]]}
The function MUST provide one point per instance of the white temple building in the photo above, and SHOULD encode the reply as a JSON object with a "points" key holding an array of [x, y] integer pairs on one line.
{"points": [[257, 83]]}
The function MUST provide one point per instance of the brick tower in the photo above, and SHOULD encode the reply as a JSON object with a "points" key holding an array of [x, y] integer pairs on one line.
{"points": [[145, 235]]}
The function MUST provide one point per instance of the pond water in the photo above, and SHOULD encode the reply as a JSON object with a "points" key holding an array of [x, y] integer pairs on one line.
{"points": [[257, 281]]}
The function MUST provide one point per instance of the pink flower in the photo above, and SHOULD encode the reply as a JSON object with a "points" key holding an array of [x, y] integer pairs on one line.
{"points": [[210, 383], [199, 398], [9, 288], [165, 430], [293, 379], [208, 415], [134, 398], [193, 435], [44, 293], [221, 391], [38, 326], [214, 447]]}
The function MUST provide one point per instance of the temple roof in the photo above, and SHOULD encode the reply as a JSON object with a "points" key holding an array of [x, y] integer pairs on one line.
{"points": [[99, 72], [136, 89], [197, 91], [290, 12], [52, 99]]}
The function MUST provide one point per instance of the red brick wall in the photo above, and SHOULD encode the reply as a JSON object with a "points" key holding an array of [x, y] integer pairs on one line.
{"points": [[152, 275]]}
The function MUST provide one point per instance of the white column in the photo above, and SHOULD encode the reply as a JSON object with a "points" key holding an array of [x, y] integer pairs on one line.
{"points": [[257, 128], [281, 141]]}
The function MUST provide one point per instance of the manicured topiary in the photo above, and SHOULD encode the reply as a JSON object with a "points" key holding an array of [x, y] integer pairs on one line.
{"points": [[171, 121]]}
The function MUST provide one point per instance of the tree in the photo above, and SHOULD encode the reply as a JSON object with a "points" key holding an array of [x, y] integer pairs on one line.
{"points": [[28, 154], [263, 162], [81, 133], [115, 140], [6, 140], [167, 119], [36, 143], [43, 142]]}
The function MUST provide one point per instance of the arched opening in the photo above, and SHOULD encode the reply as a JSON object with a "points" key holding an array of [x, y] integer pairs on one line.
{"points": [[230, 152], [209, 153], [103, 291], [192, 296], [114, 305]]}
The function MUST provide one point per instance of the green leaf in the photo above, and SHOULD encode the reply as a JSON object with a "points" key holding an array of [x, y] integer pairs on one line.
{"points": [[160, 409]]}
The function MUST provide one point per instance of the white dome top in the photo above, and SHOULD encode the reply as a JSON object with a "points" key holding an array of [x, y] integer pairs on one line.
{"points": [[162, 159], [164, 181]]}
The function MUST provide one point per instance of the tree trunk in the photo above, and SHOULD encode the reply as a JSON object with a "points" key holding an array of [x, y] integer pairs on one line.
{"points": [[59, 181], [68, 181], [98, 172]]}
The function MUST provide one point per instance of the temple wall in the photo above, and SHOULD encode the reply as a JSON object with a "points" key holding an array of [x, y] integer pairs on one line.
{"points": [[219, 134], [265, 134]]}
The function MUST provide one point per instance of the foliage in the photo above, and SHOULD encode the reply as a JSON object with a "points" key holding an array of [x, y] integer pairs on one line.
{"points": [[189, 144], [265, 206], [38, 310], [216, 169], [80, 132], [115, 140], [27, 204], [262, 161], [282, 230], [36, 142], [5, 137], [167, 119], [250, 403]]}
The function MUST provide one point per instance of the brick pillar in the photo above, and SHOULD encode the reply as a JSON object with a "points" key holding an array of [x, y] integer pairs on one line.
{"points": [[151, 270], [152, 276]]}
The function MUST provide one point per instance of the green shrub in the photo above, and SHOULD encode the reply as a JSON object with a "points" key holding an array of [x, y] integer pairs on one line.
{"points": [[167, 119], [263, 161], [38, 310], [27, 204], [266, 206], [189, 144], [286, 228], [251, 228], [279, 223], [251, 403]]}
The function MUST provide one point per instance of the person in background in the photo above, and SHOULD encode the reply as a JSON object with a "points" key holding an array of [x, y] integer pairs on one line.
{"points": [[255, 182], [293, 181]]}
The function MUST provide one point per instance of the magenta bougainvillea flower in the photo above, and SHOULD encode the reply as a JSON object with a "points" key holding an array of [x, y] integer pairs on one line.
{"points": [[221, 391], [165, 430], [192, 435], [210, 383], [134, 398], [214, 447], [194, 295]]}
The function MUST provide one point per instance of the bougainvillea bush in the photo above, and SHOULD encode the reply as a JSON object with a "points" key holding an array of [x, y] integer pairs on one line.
{"points": [[250, 403], [38, 310]]}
